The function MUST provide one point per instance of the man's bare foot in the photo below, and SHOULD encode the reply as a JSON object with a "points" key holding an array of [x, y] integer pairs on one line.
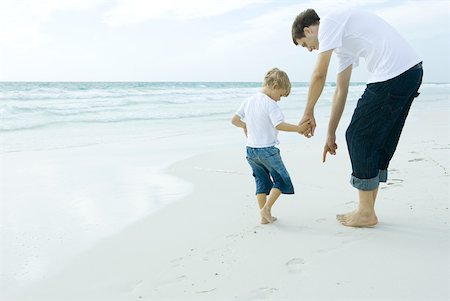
{"points": [[341, 217], [358, 219], [265, 221]]}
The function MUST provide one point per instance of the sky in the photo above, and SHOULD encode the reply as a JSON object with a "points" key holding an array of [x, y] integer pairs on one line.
{"points": [[191, 40]]}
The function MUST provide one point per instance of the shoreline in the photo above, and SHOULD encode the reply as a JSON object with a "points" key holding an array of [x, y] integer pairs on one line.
{"points": [[58, 203]]}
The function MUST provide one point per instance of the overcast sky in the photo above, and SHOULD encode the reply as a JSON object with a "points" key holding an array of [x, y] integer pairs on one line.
{"points": [[190, 40]]}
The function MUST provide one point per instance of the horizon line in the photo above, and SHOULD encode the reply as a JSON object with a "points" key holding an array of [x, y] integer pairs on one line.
{"points": [[171, 81]]}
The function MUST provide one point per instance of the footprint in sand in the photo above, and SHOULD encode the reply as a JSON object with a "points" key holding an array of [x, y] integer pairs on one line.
{"points": [[416, 160], [395, 182], [261, 293], [393, 171], [176, 262], [232, 236], [295, 265], [172, 280]]}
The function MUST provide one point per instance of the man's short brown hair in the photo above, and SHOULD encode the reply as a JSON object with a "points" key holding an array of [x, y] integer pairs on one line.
{"points": [[304, 19]]}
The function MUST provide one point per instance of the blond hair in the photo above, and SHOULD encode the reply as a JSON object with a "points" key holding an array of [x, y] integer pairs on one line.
{"points": [[277, 79]]}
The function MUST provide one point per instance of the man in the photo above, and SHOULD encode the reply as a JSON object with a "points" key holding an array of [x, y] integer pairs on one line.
{"points": [[377, 122]]}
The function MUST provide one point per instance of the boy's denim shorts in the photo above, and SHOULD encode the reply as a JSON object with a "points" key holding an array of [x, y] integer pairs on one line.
{"points": [[268, 170], [376, 125]]}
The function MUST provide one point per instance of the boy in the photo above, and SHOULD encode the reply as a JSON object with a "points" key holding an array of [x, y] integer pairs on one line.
{"points": [[263, 119]]}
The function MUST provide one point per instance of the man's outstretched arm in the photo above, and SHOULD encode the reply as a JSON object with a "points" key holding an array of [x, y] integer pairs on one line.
{"points": [[316, 85]]}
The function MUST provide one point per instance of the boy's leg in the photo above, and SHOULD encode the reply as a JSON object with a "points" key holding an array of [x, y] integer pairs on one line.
{"points": [[262, 199], [266, 210], [262, 178], [281, 179]]}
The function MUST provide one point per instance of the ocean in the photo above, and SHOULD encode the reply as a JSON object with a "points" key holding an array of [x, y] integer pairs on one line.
{"points": [[80, 161], [40, 116]]}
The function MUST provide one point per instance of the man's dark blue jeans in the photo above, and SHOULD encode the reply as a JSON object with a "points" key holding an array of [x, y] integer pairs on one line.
{"points": [[376, 125]]}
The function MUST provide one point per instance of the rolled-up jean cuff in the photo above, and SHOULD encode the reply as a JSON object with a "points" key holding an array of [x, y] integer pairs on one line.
{"points": [[382, 175], [369, 184], [365, 184]]}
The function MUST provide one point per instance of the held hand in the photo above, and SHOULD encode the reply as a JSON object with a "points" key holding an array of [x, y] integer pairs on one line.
{"points": [[330, 147], [304, 127], [308, 118], [245, 130]]}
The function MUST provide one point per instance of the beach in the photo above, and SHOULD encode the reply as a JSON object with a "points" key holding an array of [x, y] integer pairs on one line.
{"points": [[175, 217]]}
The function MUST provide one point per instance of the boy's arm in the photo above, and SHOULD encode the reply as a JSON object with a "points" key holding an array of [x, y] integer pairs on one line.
{"points": [[236, 121], [288, 127]]}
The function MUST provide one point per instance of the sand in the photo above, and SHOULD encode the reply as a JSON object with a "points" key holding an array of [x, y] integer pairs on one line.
{"points": [[209, 245]]}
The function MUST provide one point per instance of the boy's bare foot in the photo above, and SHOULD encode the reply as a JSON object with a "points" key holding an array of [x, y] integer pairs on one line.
{"points": [[358, 219], [265, 214], [265, 221]]}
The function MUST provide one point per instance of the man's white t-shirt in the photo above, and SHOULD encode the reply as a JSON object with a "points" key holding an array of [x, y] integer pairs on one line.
{"points": [[355, 33], [261, 114]]}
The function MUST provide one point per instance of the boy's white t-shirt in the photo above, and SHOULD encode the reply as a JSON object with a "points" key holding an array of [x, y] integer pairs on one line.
{"points": [[261, 114], [355, 33]]}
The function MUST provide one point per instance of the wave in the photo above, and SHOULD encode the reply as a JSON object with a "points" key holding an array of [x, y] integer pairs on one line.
{"points": [[30, 124], [74, 91], [34, 105]]}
